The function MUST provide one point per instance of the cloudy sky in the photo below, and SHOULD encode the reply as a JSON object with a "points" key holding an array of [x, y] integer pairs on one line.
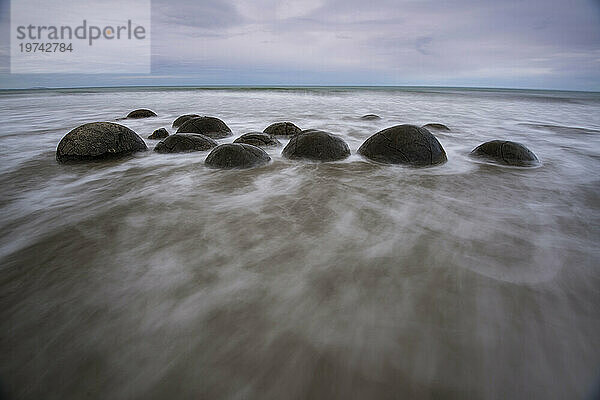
{"points": [[552, 44]]}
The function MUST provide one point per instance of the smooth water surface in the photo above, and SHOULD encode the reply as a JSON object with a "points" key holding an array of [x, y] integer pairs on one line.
{"points": [[153, 276]]}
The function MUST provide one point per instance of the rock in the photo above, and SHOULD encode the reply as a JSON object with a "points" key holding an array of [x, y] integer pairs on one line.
{"points": [[236, 155], [141, 113], [507, 153], [282, 129], [207, 126], [370, 117], [183, 118], [440, 127], [316, 145], [98, 140], [404, 144], [184, 142], [160, 133], [258, 139]]}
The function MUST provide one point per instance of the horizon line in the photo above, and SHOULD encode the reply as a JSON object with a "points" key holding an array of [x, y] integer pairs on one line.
{"points": [[275, 86]]}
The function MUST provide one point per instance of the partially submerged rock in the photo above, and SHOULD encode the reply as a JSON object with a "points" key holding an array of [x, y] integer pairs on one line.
{"points": [[282, 129], [160, 133], [141, 113], [258, 139], [183, 118], [98, 140], [370, 117], [316, 145], [185, 142], [237, 155], [507, 153], [434, 125], [207, 126], [404, 144]]}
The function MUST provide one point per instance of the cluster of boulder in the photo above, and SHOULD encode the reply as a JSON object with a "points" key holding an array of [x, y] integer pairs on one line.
{"points": [[402, 144]]}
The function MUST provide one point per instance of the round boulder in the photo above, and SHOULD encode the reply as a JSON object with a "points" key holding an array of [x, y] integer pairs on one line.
{"points": [[370, 117], [282, 129], [184, 142], [98, 140], [404, 144], [207, 126], [316, 145], [183, 118], [141, 113], [236, 155], [258, 139], [437, 126], [160, 133], [507, 153]]}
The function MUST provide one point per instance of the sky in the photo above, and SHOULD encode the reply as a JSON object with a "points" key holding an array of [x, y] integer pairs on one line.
{"points": [[540, 44]]}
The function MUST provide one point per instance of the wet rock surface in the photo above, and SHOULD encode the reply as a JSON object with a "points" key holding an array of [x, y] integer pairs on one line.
{"points": [[182, 119], [370, 117], [258, 139], [434, 125], [506, 152], [184, 142], [141, 113], [282, 129], [98, 140], [208, 126], [160, 133], [404, 144], [236, 155], [316, 145]]}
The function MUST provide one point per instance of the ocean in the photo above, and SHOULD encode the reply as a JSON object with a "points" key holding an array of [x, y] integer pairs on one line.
{"points": [[152, 276]]}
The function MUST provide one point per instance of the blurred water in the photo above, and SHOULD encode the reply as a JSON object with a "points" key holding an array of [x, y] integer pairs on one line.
{"points": [[155, 277]]}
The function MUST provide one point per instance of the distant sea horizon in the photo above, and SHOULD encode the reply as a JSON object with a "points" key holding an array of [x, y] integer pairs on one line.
{"points": [[287, 87]]}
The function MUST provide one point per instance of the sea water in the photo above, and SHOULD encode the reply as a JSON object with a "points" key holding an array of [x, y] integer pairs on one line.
{"points": [[153, 276]]}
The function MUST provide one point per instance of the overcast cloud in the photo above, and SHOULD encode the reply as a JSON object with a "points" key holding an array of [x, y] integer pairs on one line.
{"points": [[509, 43]]}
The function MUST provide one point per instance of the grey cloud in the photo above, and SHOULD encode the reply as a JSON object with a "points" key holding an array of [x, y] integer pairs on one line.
{"points": [[196, 14], [422, 43], [554, 43]]}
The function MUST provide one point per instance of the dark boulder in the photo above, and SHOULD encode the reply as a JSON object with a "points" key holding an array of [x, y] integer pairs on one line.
{"points": [[507, 153], [183, 118], [282, 129], [258, 139], [370, 117], [207, 126], [184, 142], [98, 140], [404, 144], [141, 113], [437, 126], [316, 145], [236, 155], [160, 133]]}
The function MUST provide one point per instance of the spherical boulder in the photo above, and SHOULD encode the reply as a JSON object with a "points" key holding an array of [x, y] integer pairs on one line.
{"points": [[236, 155], [98, 140], [160, 133], [437, 126], [207, 126], [404, 144], [316, 145], [184, 142], [506, 152], [183, 118], [258, 139], [282, 129], [141, 113], [370, 117]]}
